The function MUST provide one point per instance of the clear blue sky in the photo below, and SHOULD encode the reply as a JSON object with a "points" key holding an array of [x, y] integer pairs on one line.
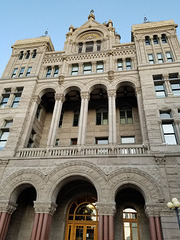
{"points": [[20, 19]]}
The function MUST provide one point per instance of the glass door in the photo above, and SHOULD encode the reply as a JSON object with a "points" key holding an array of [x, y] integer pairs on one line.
{"points": [[85, 232]]}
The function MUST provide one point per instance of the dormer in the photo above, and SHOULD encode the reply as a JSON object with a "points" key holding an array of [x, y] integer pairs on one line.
{"points": [[92, 36]]}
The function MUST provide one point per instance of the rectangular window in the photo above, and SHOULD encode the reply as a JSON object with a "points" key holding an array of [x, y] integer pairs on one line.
{"points": [[100, 67], [120, 64], [103, 140], [3, 138], [80, 46], [61, 119], [165, 114], [155, 39], [4, 101], [163, 38], [169, 57], [21, 72], [87, 68], [126, 140], [89, 46], [160, 57], [160, 89], [151, 58], [57, 142], [56, 71], [98, 45], [73, 141], [75, 69], [126, 115], [175, 86], [169, 133], [102, 118], [76, 119], [17, 97], [14, 73], [28, 71], [48, 73], [147, 40], [128, 64], [31, 139]]}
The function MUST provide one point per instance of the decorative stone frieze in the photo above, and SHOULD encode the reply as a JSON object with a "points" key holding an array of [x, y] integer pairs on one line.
{"points": [[105, 208], [43, 207], [8, 207], [160, 160]]}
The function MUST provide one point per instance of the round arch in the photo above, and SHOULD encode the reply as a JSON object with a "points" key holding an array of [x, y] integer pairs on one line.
{"points": [[140, 180], [75, 170], [20, 180]]}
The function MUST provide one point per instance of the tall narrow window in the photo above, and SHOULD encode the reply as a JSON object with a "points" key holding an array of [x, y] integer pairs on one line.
{"points": [[28, 71], [21, 55], [159, 85], [48, 73], [56, 71], [27, 54], [17, 97], [155, 39], [14, 73], [175, 83], [5, 97], [169, 57], [21, 72], [39, 111], [147, 40], [89, 46], [5, 133], [75, 69], [76, 118], [100, 67], [130, 224], [163, 38], [98, 45], [169, 133], [61, 119], [102, 116], [160, 57], [120, 64], [126, 115], [151, 58], [128, 63], [34, 53], [80, 46], [87, 68]]}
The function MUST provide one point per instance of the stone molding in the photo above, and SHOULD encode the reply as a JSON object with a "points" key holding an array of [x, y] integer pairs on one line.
{"points": [[106, 208], [43, 207], [155, 210], [8, 207], [36, 99]]}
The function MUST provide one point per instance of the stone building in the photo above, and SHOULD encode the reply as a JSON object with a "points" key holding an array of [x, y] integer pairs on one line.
{"points": [[89, 144]]}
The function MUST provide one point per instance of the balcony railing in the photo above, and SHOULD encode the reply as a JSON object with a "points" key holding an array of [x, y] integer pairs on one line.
{"points": [[82, 151]]}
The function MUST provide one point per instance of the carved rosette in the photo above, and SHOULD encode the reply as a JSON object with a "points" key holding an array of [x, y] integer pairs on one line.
{"points": [[41, 207], [106, 208], [8, 207]]}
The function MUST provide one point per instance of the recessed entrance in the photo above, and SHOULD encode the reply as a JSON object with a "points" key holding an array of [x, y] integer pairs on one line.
{"points": [[82, 220]]}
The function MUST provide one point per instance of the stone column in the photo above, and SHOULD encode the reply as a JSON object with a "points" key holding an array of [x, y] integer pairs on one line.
{"points": [[141, 116], [158, 228], [30, 119], [80, 124], [6, 211], [83, 117], [112, 116], [55, 119], [42, 220], [106, 220]]}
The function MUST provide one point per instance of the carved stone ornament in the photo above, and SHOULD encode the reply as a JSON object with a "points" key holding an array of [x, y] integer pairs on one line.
{"points": [[111, 93], [160, 160], [106, 208], [36, 99], [61, 79], [85, 95], [59, 96], [111, 75], [42, 207], [8, 207]]}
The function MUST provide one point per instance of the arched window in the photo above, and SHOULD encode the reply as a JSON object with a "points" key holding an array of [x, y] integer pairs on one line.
{"points": [[155, 39], [130, 224], [126, 115], [147, 40], [21, 55], [163, 38], [101, 116]]}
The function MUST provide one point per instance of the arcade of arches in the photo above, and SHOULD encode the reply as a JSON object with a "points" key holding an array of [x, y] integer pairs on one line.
{"points": [[99, 116], [77, 214]]}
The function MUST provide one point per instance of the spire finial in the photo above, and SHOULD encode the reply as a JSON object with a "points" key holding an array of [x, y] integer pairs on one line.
{"points": [[91, 15]]}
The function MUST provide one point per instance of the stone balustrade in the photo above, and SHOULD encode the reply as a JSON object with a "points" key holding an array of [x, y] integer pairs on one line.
{"points": [[82, 151]]}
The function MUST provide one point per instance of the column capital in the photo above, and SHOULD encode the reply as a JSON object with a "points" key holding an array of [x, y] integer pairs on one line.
{"points": [[8, 207], [153, 210], [36, 99], [59, 97], [111, 93], [43, 207], [85, 95], [106, 208]]}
